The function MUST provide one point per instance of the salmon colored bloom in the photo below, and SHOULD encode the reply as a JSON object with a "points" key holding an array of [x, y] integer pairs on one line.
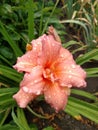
{"points": [[50, 70]]}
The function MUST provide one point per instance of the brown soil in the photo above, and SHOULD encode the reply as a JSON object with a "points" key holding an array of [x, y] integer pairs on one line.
{"points": [[60, 121]]}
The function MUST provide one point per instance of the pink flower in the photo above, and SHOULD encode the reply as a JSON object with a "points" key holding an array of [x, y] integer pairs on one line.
{"points": [[50, 70]]}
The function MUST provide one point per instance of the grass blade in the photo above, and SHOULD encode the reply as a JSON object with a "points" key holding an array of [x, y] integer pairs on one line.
{"points": [[8, 90], [77, 22], [87, 57], [20, 119], [70, 43], [30, 19], [45, 26], [41, 19], [9, 127], [5, 60], [4, 116], [86, 109], [10, 73], [73, 112], [84, 94], [14, 46], [92, 72]]}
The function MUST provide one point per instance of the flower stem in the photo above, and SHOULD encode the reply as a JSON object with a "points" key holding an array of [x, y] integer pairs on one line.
{"points": [[34, 113]]}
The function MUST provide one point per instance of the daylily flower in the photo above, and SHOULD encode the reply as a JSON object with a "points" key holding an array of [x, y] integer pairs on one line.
{"points": [[50, 70]]}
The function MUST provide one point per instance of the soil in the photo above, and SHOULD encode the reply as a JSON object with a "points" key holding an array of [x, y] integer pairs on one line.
{"points": [[61, 120]]}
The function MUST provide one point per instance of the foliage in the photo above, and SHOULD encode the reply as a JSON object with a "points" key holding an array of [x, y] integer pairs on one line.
{"points": [[82, 16], [21, 21]]}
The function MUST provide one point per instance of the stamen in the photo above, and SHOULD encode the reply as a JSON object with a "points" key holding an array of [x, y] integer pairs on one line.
{"points": [[28, 47]]}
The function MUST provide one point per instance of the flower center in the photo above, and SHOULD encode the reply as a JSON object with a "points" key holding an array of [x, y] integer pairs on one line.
{"points": [[48, 74]]}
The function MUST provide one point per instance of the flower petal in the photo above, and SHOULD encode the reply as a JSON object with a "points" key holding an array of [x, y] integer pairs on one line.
{"points": [[22, 98], [68, 72], [53, 32], [26, 62], [29, 60], [65, 54], [33, 82], [50, 50], [72, 77], [56, 96]]}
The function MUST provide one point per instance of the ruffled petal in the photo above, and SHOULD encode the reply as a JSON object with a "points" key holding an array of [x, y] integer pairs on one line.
{"points": [[50, 50], [56, 96], [68, 72], [22, 98], [44, 51], [33, 82], [65, 54], [53, 32], [26, 62], [29, 59]]}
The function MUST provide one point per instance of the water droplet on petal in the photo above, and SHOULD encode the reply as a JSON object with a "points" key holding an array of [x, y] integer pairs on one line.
{"points": [[70, 76], [38, 93], [54, 94], [49, 96], [25, 89], [35, 81], [63, 84], [70, 71], [62, 56], [69, 85], [34, 48], [73, 66]]}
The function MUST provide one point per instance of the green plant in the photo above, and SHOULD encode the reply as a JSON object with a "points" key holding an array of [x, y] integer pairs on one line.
{"points": [[35, 18], [82, 16]]}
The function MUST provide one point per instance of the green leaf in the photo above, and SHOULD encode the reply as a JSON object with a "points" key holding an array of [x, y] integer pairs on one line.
{"points": [[20, 119], [77, 22], [5, 115], [92, 72], [21, 126], [7, 105], [4, 97], [87, 56], [83, 94], [10, 73], [73, 112], [5, 60], [49, 128], [8, 90], [14, 46], [6, 52], [30, 19], [45, 26], [9, 127], [70, 43], [86, 109], [7, 101], [83, 47], [41, 19], [34, 113]]}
